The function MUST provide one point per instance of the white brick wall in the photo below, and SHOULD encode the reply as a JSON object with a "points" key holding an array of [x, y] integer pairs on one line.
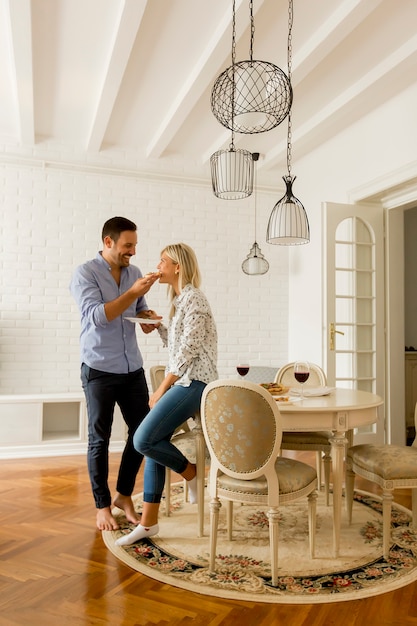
{"points": [[51, 221]]}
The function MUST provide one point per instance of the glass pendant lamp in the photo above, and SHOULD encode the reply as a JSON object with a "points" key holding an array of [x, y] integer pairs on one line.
{"points": [[255, 262]]}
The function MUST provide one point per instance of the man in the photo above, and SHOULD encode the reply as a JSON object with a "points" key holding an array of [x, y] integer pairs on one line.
{"points": [[107, 289]]}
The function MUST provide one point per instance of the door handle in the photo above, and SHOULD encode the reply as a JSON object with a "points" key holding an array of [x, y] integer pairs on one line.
{"points": [[333, 331]]}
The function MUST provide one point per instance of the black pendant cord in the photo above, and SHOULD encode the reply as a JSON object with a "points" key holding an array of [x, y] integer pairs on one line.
{"points": [[255, 156], [232, 145], [289, 62]]}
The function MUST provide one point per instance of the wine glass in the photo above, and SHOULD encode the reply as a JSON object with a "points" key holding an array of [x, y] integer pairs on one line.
{"points": [[301, 374], [242, 368]]}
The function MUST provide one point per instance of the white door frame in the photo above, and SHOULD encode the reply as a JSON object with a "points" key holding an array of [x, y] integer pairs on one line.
{"points": [[371, 216], [395, 194], [395, 329]]}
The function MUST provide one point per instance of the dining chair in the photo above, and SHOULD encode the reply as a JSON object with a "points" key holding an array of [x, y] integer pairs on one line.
{"points": [[242, 427], [316, 441], [261, 373], [191, 443], [390, 466]]}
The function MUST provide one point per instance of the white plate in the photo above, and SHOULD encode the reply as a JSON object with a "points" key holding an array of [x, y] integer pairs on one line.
{"points": [[291, 400], [143, 320]]}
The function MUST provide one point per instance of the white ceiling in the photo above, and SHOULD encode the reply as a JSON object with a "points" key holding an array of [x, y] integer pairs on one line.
{"points": [[136, 75]]}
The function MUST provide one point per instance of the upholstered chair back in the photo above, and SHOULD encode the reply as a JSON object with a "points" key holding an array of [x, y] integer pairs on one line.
{"points": [[285, 376], [241, 425]]}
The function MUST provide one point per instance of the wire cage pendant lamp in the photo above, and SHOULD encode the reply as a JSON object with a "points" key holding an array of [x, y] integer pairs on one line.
{"points": [[248, 97], [232, 173], [288, 223], [251, 96], [255, 262]]}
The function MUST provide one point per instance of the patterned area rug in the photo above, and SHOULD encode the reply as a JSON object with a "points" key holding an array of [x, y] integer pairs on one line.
{"points": [[178, 557]]}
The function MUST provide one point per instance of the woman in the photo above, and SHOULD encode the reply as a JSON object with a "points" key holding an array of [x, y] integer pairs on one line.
{"points": [[192, 363]]}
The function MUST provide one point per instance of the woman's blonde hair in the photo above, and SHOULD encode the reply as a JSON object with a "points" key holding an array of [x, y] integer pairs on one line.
{"points": [[189, 272]]}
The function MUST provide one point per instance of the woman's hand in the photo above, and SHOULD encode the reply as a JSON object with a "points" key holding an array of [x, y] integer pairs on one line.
{"points": [[157, 395], [168, 381]]}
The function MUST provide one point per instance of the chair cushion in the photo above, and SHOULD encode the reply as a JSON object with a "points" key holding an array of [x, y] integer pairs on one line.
{"points": [[185, 442], [388, 461], [293, 476], [317, 438]]}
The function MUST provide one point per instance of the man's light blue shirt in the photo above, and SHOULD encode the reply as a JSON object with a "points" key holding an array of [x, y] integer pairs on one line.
{"points": [[106, 346]]}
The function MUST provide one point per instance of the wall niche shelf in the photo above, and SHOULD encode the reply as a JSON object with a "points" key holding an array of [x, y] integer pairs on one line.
{"points": [[52, 424], [62, 420]]}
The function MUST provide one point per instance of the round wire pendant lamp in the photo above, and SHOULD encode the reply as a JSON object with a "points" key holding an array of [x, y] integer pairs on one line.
{"points": [[232, 173], [251, 97], [288, 223]]}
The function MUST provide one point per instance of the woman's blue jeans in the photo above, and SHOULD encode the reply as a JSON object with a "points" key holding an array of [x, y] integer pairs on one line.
{"points": [[153, 436]]}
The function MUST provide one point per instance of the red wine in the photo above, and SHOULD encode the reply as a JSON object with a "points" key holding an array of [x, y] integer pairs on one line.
{"points": [[301, 376], [242, 369]]}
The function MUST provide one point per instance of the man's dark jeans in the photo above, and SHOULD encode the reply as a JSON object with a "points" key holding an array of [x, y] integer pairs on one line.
{"points": [[102, 391]]}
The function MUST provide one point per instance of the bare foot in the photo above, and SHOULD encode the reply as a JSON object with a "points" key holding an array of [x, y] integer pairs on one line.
{"points": [[126, 504], [105, 520]]}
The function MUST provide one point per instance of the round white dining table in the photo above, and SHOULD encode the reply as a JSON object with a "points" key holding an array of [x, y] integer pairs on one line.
{"points": [[340, 411]]}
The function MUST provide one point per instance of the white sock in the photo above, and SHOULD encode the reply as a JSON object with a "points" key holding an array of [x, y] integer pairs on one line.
{"points": [[192, 490], [140, 532]]}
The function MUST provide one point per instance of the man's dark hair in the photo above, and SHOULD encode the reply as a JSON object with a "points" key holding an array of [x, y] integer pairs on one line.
{"points": [[114, 226]]}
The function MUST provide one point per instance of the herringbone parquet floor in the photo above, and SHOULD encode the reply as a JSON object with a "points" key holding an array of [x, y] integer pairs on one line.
{"points": [[56, 571]]}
